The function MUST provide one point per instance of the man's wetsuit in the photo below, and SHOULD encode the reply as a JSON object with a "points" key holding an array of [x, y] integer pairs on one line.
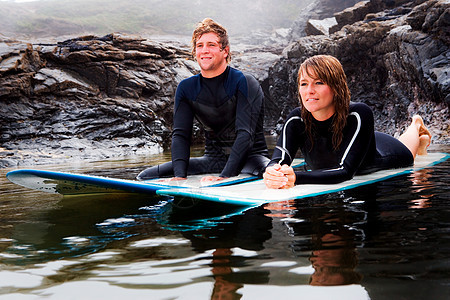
{"points": [[362, 150], [230, 108]]}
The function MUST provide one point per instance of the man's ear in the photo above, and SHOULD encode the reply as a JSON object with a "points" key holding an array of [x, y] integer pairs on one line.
{"points": [[227, 51]]}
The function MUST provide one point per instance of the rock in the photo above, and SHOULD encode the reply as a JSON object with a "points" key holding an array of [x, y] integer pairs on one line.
{"points": [[58, 81], [318, 27], [317, 10], [352, 14], [90, 97]]}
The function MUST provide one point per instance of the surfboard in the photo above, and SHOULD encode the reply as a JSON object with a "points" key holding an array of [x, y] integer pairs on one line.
{"points": [[255, 192], [76, 184]]}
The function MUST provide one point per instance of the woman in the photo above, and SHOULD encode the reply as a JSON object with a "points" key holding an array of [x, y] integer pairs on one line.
{"points": [[336, 137]]}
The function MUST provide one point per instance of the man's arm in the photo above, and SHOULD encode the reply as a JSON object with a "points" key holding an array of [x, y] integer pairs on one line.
{"points": [[183, 117], [249, 107]]}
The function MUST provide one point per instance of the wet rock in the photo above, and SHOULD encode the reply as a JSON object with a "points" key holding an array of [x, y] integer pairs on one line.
{"points": [[318, 27], [90, 97], [317, 10], [353, 14], [57, 81]]}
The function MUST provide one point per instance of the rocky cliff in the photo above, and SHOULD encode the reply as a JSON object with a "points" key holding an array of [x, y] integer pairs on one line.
{"points": [[99, 97]]}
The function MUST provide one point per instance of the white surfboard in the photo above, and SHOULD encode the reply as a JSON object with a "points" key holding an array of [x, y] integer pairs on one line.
{"points": [[256, 193]]}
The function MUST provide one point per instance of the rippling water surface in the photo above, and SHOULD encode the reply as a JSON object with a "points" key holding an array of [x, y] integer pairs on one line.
{"points": [[388, 240]]}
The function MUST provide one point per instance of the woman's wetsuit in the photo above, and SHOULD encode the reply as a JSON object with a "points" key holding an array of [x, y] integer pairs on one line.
{"points": [[362, 149], [230, 108]]}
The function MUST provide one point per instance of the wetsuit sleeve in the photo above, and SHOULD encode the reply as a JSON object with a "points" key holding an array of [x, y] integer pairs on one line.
{"points": [[248, 109], [183, 118], [289, 140], [356, 141]]}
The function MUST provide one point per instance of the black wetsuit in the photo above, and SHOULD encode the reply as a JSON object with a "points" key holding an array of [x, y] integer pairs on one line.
{"points": [[230, 108], [362, 149]]}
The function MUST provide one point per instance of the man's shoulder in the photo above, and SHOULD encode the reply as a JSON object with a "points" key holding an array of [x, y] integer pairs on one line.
{"points": [[188, 88], [235, 72], [241, 75], [191, 79], [243, 81]]}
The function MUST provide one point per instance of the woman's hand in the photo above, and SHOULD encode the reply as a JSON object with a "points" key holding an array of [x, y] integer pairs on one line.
{"points": [[279, 177]]}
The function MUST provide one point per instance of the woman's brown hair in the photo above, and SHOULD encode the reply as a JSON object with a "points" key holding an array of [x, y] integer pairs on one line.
{"points": [[328, 69]]}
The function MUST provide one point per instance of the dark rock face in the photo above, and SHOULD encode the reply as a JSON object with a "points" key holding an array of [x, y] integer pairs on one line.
{"points": [[396, 61], [88, 97]]}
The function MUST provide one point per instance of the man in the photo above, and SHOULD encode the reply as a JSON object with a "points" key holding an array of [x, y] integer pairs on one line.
{"points": [[229, 106]]}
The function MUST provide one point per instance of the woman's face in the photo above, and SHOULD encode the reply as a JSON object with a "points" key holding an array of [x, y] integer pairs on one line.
{"points": [[317, 96]]}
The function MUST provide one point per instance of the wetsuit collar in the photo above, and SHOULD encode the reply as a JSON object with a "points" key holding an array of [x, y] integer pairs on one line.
{"points": [[223, 74]]}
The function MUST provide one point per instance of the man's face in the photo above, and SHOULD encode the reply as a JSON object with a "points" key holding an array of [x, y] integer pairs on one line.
{"points": [[210, 57]]}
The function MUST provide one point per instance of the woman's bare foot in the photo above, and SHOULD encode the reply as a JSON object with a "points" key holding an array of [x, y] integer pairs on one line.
{"points": [[424, 135], [424, 142]]}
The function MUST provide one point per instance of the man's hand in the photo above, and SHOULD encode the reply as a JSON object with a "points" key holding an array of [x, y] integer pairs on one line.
{"points": [[211, 178], [172, 179], [279, 177]]}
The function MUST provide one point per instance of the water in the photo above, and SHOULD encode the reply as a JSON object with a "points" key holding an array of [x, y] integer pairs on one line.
{"points": [[388, 240]]}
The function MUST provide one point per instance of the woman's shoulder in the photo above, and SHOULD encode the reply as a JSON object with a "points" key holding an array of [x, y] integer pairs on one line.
{"points": [[360, 107], [356, 106], [295, 113], [294, 118]]}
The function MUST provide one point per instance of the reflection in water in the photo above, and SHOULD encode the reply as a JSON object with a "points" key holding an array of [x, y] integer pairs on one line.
{"points": [[186, 214], [335, 262], [85, 224], [369, 240], [333, 227], [223, 289], [421, 183], [246, 231], [70, 227]]}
